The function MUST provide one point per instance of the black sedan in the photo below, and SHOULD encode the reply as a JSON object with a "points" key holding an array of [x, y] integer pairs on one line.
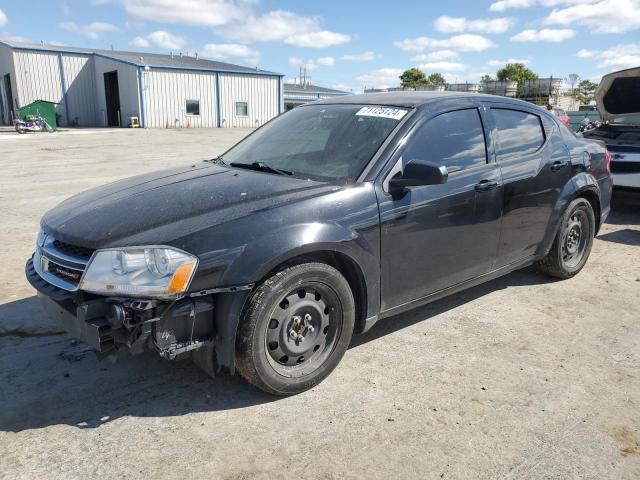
{"points": [[329, 218]]}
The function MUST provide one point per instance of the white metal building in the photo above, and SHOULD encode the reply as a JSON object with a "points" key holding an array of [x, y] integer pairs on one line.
{"points": [[105, 88], [297, 94]]}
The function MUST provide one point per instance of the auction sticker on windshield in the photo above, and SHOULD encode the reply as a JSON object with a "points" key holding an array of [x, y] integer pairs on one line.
{"points": [[384, 112]]}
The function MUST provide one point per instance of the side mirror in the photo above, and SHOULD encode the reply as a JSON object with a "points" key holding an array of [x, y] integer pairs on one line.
{"points": [[417, 173]]}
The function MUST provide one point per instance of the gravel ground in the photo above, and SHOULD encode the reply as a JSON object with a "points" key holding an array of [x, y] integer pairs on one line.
{"points": [[522, 378]]}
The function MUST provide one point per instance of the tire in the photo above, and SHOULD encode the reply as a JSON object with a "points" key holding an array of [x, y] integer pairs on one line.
{"points": [[572, 245], [296, 328]]}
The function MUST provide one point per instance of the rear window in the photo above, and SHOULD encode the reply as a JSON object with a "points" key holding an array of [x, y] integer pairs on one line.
{"points": [[519, 133]]}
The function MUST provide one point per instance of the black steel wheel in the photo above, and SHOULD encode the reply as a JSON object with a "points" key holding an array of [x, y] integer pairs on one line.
{"points": [[297, 327], [572, 245]]}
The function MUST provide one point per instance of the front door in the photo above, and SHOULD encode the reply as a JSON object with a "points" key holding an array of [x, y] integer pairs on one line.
{"points": [[534, 171], [437, 236], [112, 98]]}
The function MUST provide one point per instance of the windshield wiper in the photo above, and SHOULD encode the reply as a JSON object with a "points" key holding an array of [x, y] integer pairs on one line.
{"points": [[261, 167]]}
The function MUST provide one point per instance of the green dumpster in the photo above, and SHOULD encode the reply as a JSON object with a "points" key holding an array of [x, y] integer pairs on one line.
{"points": [[47, 110]]}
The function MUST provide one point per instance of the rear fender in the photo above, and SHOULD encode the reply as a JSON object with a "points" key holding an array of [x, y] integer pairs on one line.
{"points": [[579, 184]]}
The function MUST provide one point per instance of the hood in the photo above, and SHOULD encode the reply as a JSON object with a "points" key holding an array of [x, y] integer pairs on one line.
{"points": [[618, 96], [142, 210]]}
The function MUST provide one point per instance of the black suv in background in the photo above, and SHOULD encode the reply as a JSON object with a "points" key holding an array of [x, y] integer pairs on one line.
{"points": [[329, 218]]}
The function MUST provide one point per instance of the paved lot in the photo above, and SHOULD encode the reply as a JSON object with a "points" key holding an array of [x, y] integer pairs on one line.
{"points": [[521, 378]]}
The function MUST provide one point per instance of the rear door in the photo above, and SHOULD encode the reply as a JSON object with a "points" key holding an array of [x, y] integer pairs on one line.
{"points": [[436, 236], [535, 168]]}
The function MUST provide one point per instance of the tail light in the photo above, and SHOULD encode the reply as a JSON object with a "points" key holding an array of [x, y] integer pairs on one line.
{"points": [[607, 161]]}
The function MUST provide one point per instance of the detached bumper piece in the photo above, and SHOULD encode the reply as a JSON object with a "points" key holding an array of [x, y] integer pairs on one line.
{"points": [[109, 324]]}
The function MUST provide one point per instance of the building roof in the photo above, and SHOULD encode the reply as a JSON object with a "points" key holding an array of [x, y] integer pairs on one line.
{"points": [[308, 88], [146, 59]]}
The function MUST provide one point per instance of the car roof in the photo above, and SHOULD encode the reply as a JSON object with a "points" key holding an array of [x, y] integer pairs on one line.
{"points": [[412, 99]]}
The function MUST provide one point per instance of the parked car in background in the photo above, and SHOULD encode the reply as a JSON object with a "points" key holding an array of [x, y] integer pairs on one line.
{"points": [[329, 218], [618, 99], [561, 114]]}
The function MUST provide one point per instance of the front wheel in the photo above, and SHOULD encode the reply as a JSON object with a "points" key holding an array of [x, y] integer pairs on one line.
{"points": [[572, 245], [296, 328]]}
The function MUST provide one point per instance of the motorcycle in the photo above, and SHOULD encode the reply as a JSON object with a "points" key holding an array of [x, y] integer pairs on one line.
{"points": [[38, 124], [588, 124]]}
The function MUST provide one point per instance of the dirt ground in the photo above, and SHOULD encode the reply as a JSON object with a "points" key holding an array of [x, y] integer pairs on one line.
{"points": [[521, 378]]}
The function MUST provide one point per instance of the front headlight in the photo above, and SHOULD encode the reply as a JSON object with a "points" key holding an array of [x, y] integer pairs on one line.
{"points": [[156, 272]]}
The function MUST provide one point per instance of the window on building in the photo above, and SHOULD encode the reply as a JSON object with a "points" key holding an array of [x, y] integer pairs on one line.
{"points": [[193, 107], [453, 139], [519, 133], [242, 109]]}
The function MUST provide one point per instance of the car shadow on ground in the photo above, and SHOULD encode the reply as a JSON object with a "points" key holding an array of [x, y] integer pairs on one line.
{"points": [[52, 380]]}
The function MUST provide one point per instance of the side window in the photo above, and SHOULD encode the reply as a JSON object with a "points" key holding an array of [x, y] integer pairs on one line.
{"points": [[519, 133], [454, 139]]}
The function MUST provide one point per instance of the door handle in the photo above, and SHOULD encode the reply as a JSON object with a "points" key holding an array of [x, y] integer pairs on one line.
{"points": [[557, 165], [486, 185]]}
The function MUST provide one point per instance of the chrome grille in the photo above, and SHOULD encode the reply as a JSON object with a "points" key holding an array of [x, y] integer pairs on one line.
{"points": [[61, 264]]}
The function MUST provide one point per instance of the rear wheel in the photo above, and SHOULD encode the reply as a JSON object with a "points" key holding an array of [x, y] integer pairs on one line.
{"points": [[572, 245], [296, 329]]}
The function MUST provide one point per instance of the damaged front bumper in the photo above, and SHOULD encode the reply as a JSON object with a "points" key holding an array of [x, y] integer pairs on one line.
{"points": [[109, 324]]}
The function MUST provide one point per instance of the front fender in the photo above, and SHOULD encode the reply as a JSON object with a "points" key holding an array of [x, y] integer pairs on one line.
{"points": [[577, 186], [265, 254]]}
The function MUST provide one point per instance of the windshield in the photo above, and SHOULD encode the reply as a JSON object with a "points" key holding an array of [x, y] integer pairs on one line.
{"points": [[322, 142]]}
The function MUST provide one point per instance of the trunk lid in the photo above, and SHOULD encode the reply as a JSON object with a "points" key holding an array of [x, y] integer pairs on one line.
{"points": [[618, 97]]}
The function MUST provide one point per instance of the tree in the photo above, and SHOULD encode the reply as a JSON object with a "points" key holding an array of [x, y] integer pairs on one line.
{"points": [[515, 72], [436, 79], [413, 78], [586, 91], [487, 78], [572, 79]]}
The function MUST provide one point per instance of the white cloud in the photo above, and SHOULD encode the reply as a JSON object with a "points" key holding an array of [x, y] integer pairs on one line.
{"points": [[3, 19], [93, 30], [15, 38], [225, 51], [55, 43], [458, 43], [199, 13], [606, 16], [502, 63], [448, 24], [321, 39], [299, 62], [326, 61], [502, 5], [436, 56], [362, 57], [312, 64], [544, 35], [443, 66], [584, 53], [139, 42], [615, 58], [167, 41], [284, 26], [381, 78]]}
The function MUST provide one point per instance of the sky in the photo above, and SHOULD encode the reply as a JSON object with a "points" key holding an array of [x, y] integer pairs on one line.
{"points": [[350, 44]]}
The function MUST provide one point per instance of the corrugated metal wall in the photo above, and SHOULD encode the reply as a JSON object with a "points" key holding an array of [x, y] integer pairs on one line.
{"points": [[80, 80], [259, 91], [38, 78], [127, 84], [166, 93], [6, 67]]}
